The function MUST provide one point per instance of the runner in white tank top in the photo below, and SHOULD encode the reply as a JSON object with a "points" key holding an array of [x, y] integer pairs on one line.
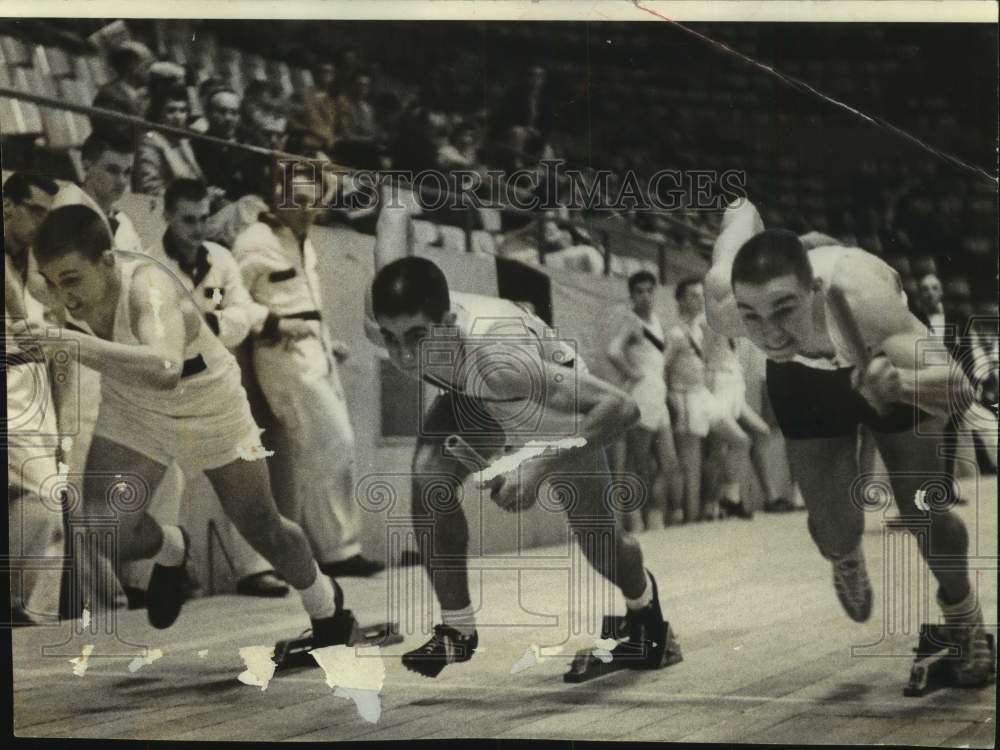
{"points": [[506, 378], [171, 391], [843, 351]]}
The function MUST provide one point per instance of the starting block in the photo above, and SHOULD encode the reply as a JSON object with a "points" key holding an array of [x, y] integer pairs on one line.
{"points": [[931, 668], [589, 666], [292, 653]]}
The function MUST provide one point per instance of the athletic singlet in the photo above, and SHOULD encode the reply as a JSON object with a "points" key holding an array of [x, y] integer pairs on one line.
{"points": [[481, 322], [687, 369], [207, 366], [647, 352], [878, 285]]}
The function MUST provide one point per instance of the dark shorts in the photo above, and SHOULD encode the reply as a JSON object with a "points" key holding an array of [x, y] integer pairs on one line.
{"points": [[456, 414], [812, 403], [452, 413]]}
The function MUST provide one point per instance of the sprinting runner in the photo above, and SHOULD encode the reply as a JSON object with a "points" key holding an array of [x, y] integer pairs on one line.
{"points": [[486, 400], [210, 274], [766, 286], [170, 391]]}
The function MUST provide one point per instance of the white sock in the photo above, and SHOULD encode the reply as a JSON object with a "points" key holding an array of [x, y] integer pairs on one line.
{"points": [[731, 492], [966, 611], [645, 598], [171, 552], [463, 620], [318, 598]]}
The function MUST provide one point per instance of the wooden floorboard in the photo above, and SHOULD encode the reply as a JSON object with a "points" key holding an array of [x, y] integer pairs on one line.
{"points": [[768, 658]]}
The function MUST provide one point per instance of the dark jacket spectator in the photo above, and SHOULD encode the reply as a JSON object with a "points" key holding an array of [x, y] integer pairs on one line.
{"points": [[160, 157], [127, 92]]}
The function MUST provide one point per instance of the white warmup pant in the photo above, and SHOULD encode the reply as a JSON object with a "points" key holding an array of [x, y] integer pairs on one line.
{"points": [[34, 509], [300, 382]]}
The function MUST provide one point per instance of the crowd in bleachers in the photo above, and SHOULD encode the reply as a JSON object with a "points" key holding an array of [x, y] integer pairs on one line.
{"points": [[420, 99]]}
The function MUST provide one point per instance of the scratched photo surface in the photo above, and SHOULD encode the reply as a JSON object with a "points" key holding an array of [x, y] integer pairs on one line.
{"points": [[534, 372]]}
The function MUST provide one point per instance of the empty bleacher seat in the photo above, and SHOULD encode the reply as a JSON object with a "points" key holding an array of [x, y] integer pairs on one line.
{"points": [[14, 51], [63, 129], [17, 118], [53, 61]]}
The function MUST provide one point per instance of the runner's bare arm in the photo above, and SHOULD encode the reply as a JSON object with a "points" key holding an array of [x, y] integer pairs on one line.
{"points": [[740, 222], [157, 322], [626, 335], [905, 366], [605, 412], [394, 228]]}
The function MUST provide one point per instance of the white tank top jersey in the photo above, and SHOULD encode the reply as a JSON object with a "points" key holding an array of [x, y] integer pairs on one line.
{"points": [[645, 354], [481, 321], [874, 285], [207, 363]]}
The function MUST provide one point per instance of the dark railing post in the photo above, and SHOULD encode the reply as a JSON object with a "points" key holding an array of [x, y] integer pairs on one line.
{"points": [[469, 217], [661, 259], [606, 236], [540, 238]]}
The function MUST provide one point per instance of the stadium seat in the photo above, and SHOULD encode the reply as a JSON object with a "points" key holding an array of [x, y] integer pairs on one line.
{"points": [[17, 118], [63, 129], [33, 81], [53, 61], [14, 51], [254, 68], [94, 69]]}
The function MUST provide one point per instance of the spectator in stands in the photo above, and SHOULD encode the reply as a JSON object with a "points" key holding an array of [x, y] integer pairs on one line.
{"points": [[971, 350], [358, 132], [210, 273], [164, 75], [218, 163], [164, 157], [235, 172], [127, 93], [529, 104], [107, 167], [207, 90], [459, 148], [296, 364], [313, 124], [930, 300]]}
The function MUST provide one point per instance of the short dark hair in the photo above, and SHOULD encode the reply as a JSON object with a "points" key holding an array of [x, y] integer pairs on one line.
{"points": [[184, 189], [770, 254], [18, 186], [409, 286], [102, 141], [640, 277], [70, 229], [684, 284], [174, 92]]}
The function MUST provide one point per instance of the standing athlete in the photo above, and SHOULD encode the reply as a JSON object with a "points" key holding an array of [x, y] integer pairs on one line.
{"points": [[485, 345], [637, 351], [766, 286], [170, 391], [697, 414]]}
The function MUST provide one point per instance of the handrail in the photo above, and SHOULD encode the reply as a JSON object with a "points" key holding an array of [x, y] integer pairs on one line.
{"points": [[424, 190]]}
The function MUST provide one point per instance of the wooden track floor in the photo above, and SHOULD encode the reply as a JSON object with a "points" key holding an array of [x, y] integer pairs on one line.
{"points": [[769, 656]]}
